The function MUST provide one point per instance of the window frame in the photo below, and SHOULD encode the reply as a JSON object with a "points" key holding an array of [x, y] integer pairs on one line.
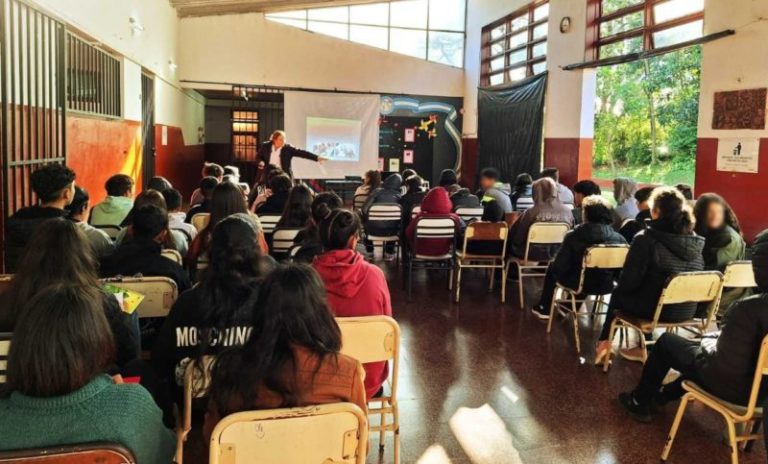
{"points": [[234, 134], [93, 77], [530, 62]]}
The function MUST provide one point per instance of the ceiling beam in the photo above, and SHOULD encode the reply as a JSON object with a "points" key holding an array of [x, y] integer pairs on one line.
{"points": [[189, 8]]}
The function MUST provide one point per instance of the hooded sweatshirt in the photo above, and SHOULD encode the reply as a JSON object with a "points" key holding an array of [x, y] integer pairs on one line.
{"points": [[388, 193], [112, 211], [626, 206], [547, 207], [436, 204], [21, 227], [356, 288]]}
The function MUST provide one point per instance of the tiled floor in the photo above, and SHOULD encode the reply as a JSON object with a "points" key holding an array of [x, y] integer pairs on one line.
{"points": [[482, 383]]}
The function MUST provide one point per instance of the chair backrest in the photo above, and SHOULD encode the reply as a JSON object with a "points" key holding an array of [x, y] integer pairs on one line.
{"points": [[269, 222], [282, 240], [96, 453], [160, 293], [330, 433], [545, 233], [173, 255], [385, 212], [487, 231], [200, 220], [607, 257], [358, 201], [110, 229], [5, 347], [691, 287], [5, 282], [197, 379], [372, 339], [760, 370], [415, 211], [468, 214], [739, 274]]}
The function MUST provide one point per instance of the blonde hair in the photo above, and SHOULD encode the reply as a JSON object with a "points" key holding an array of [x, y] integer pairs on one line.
{"points": [[276, 134]]}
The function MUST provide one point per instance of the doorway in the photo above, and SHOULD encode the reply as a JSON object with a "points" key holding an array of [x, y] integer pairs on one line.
{"points": [[147, 128]]}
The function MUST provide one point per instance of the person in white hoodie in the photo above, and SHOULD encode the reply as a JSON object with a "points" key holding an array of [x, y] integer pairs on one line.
{"points": [[177, 217]]}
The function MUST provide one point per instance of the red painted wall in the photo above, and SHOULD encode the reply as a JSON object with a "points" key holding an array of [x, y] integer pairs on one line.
{"points": [[469, 155], [746, 193], [178, 162], [572, 156]]}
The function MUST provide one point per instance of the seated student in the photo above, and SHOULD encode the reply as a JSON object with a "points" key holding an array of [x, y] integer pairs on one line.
{"points": [[624, 190], [490, 189], [388, 193], [159, 183], [566, 268], [44, 265], [448, 178], [564, 193], [408, 173], [353, 286], [547, 207], [113, 210], [308, 239], [412, 198], [669, 246], [723, 243], [262, 189], [298, 208], [100, 243], [142, 254], [632, 228], [492, 212], [213, 315], [176, 216], [292, 357], [522, 193], [173, 239], [435, 204], [727, 371], [209, 170], [687, 192], [59, 392], [581, 190], [206, 190], [461, 197], [279, 188], [371, 181], [226, 200], [54, 186]]}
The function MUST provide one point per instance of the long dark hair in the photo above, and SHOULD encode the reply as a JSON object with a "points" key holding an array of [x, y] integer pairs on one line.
{"points": [[57, 253], [702, 207], [226, 200], [61, 342], [338, 228], [291, 310], [675, 216], [373, 180], [298, 208]]}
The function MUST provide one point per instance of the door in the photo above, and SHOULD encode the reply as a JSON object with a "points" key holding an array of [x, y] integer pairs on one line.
{"points": [[147, 128]]}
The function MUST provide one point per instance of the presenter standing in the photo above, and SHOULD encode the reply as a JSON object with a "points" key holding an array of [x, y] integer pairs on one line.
{"points": [[278, 153]]}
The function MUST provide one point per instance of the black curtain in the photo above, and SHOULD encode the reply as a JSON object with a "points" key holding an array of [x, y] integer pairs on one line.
{"points": [[510, 125]]}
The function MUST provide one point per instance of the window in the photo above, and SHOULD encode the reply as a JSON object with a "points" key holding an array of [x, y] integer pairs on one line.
{"points": [[631, 26], [515, 46], [245, 135], [93, 79], [428, 29]]}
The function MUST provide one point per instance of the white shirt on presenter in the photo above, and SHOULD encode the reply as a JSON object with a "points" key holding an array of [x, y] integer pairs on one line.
{"points": [[278, 153]]}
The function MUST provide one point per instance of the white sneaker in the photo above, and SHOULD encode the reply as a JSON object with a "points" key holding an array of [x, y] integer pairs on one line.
{"points": [[389, 256]]}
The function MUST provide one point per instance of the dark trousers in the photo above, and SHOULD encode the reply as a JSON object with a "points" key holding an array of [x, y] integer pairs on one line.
{"points": [[548, 290], [670, 352], [619, 301]]}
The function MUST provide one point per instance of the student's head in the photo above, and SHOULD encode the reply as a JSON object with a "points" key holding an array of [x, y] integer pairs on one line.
{"points": [[670, 211], [78, 209], [280, 183], [552, 173], [712, 212], [583, 189], [278, 138], [448, 177], [686, 190], [624, 189], [54, 184], [523, 181], [544, 191], [78, 343], [373, 179], [207, 185], [172, 200], [340, 230], [298, 207], [414, 183], [233, 172], [408, 173], [488, 178], [150, 222], [290, 310], [492, 212], [234, 256], [642, 196], [150, 198], [119, 185], [760, 260], [213, 170], [324, 204], [159, 183], [596, 210], [227, 199]]}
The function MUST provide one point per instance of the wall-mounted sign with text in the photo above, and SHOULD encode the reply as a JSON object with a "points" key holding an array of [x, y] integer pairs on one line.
{"points": [[738, 154]]}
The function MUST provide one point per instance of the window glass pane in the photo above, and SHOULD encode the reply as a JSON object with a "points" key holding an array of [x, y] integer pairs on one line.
{"points": [[376, 14], [539, 50], [369, 35], [338, 14], [541, 12], [446, 14], [622, 24], [498, 31], [678, 34], [609, 6], [408, 42], [540, 31], [409, 13], [520, 22], [497, 47], [300, 23], [518, 56], [497, 79], [446, 48], [332, 29], [517, 74], [676, 8], [540, 67], [297, 14], [624, 47], [497, 64], [518, 39]]}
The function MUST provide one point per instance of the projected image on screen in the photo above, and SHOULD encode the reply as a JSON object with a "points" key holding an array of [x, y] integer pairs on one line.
{"points": [[335, 139]]}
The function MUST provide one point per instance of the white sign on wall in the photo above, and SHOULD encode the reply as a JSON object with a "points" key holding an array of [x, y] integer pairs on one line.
{"points": [[738, 154]]}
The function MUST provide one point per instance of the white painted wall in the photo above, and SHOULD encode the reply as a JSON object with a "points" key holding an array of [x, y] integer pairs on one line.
{"points": [[249, 49], [131, 90]]}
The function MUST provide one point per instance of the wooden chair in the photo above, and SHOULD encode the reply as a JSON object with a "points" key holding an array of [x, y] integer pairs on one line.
{"points": [[282, 242], [603, 257], [686, 287], [160, 293], [197, 379], [200, 221], [386, 213], [5, 347], [749, 415], [540, 233], [469, 214], [358, 201], [173, 255], [376, 339], [330, 433], [488, 232], [739, 274], [431, 228], [111, 230], [96, 453], [5, 282]]}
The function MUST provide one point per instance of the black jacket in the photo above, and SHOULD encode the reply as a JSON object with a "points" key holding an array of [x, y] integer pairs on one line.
{"points": [[142, 256], [287, 153], [463, 198], [408, 202], [21, 227], [389, 193], [653, 257], [204, 207], [274, 205], [570, 256]]}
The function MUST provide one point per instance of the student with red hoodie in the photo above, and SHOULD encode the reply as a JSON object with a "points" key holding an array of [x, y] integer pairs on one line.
{"points": [[436, 204], [354, 287]]}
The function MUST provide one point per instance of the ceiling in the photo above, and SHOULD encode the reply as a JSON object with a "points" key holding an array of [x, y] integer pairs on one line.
{"points": [[187, 8]]}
